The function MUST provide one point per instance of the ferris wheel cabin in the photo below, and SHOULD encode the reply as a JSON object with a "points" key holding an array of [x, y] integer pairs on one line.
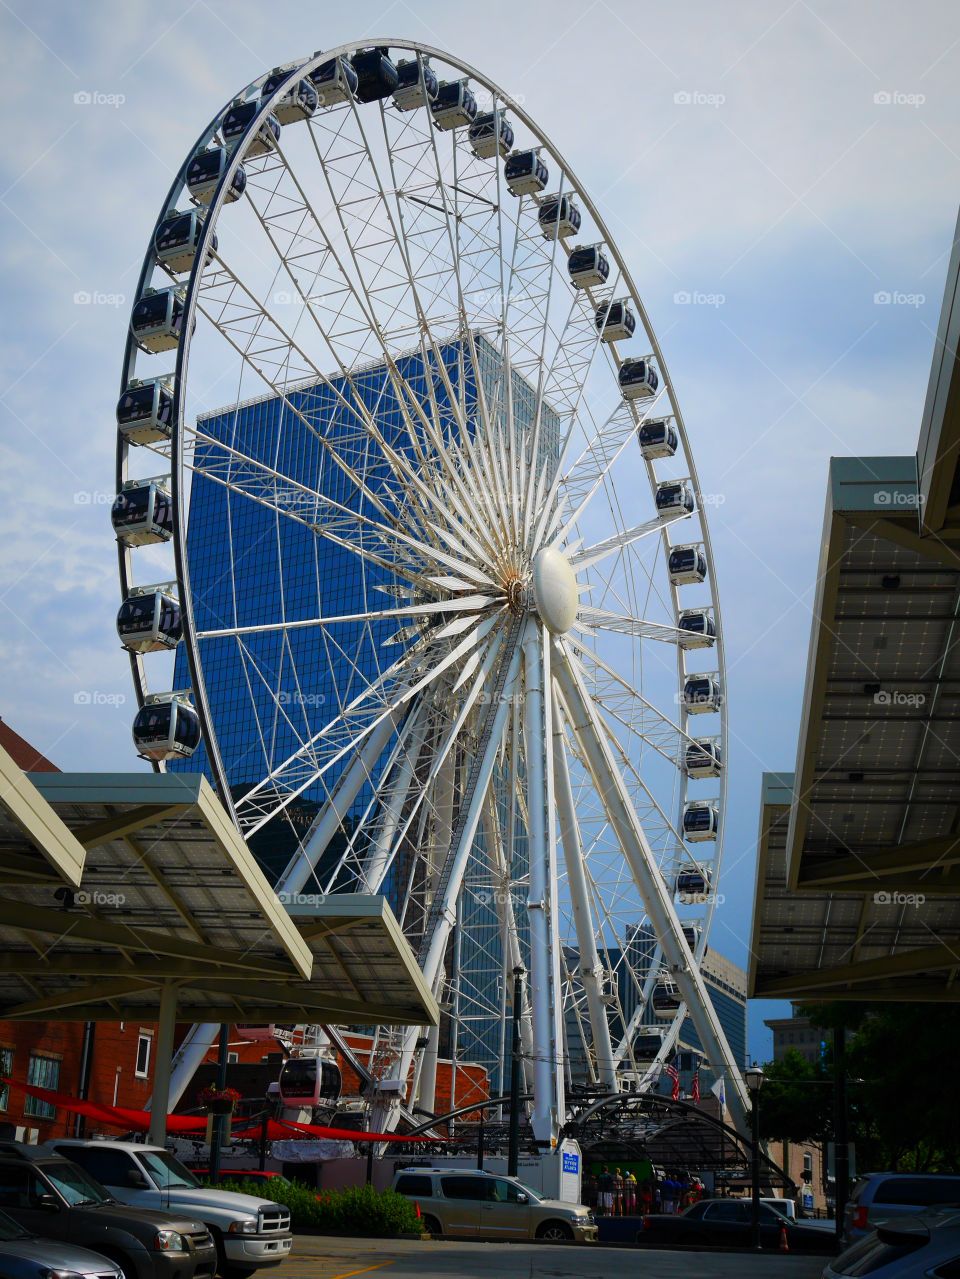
{"points": [[298, 103], [692, 934], [525, 173], [205, 171], [692, 886], [414, 90], [615, 321], [657, 438], [701, 694], [638, 379], [142, 512], [489, 135], [699, 629], [587, 266], [666, 999], [376, 75], [701, 821], [674, 499], [455, 105], [646, 1045], [687, 566], [335, 81], [145, 410], [558, 216], [149, 620], [157, 319], [309, 1081], [234, 126], [178, 239], [166, 727], [702, 758]]}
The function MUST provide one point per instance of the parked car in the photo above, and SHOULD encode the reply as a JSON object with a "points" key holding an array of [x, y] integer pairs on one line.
{"points": [[714, 1223], [786, 1207], [921, 1247], [25, 1256], [883, 1196], [249, 1232], [53, 1198], [485, 1205]]}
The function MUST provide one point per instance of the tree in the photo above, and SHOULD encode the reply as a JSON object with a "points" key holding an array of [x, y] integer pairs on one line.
{"points": [[796, 1099]]}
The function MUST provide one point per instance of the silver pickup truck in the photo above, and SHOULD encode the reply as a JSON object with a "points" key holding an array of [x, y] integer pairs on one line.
{"points": [[250, 1233]]}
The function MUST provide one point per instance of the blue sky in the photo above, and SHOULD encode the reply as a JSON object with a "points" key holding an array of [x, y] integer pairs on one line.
{"points": [[791, 160]]}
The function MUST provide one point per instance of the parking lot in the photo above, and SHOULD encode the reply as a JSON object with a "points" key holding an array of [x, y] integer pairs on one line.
{"points": [[320, 1257]]}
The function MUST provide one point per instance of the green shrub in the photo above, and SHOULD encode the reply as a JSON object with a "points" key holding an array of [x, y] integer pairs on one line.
{"points": [[357, 1210]]}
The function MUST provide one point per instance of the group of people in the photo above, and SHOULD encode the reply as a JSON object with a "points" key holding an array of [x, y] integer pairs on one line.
{"points": [[613, 1193]]}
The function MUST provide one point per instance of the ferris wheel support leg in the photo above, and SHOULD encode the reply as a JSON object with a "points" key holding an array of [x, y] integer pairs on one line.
{"points": [[616, 801], [336, 808], [445, 910], [590, 968], [195, 1046], [546, 1063]]}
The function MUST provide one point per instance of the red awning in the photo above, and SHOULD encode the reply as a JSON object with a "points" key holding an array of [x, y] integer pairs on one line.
{"points": [[139, 1120]]}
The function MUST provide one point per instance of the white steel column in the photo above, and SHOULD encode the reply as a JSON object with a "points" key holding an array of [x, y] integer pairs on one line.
{"points": [[611, 789], [590, 967], [544, 1116]]}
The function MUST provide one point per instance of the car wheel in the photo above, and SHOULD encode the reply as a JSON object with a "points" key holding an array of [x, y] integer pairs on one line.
{"points": [[556, 1230], [431, 1225]]}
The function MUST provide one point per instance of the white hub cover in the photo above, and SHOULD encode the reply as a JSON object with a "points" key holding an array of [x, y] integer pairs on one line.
{"points": [[555, 590]]}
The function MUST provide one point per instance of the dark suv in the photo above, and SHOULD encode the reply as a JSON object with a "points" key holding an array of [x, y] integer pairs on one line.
{"points": [[51, 1197]]}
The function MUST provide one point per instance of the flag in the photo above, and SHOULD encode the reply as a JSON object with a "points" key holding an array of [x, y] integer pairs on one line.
{"points": [[673, 1074], [695, 1088], [719, 1092]]}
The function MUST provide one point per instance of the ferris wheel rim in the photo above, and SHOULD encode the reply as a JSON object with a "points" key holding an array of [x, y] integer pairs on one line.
{"points": [[178, 467]]}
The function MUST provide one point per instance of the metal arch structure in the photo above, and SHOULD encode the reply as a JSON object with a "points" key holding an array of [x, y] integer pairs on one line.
{"points": [[504, 702]]}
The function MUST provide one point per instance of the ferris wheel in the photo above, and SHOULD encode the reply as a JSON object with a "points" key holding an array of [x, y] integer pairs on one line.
{"points": [[406, 499]]}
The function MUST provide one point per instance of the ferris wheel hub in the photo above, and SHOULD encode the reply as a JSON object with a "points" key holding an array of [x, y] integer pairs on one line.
{"points": [[555, 590]]}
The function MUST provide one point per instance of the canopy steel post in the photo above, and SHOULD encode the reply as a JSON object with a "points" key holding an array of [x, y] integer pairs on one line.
{"points": [[219, 1121], [166, 1026]]}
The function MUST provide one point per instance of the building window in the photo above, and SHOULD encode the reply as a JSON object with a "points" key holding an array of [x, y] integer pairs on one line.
{"points": [[807, 1162], [232, 1057], [6, 1070], [42, 1072], [144, 1044]]}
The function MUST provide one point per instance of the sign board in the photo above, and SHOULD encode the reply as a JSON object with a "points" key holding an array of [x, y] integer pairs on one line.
{"points": [[571, 1162]]}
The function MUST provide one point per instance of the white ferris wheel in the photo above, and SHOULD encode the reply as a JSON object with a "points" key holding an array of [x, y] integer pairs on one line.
{"points": [[440, 620]]}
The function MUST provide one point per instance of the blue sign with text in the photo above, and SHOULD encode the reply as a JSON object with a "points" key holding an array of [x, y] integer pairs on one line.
{"points": [[571, 1163]]}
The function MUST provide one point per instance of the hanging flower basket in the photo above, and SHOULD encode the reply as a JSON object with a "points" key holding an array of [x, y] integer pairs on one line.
{"points": [[218, 1101]]}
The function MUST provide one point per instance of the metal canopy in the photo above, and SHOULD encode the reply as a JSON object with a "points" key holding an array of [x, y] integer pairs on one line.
{"points": [[858, 878], [146, 891]]}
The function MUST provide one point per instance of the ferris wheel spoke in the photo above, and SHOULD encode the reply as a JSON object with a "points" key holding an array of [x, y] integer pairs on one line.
{"points": [[620, 541]]}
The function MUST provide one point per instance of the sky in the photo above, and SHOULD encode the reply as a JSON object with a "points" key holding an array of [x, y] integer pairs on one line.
{"points": [[782, 179]]}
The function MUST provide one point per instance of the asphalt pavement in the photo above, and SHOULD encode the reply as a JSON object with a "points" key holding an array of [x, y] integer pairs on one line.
{"points": [[322, 1257]]}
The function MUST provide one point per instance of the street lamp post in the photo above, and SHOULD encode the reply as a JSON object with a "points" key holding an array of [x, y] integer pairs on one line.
{"points": [[754, 1080], [513, 1133]]}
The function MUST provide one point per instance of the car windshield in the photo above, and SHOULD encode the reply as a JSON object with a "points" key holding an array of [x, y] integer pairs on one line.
{"points": [[75, 1185], [9, 1229], [166, 1170]]}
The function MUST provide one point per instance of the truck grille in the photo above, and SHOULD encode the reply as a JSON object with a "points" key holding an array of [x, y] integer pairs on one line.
{"points": [[200, 1239], [274, 1220]]}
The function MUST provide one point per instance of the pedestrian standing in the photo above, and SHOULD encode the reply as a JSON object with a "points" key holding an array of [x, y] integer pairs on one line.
{"points": [[618, 1192], [605, 1188], [630, 1190]]}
